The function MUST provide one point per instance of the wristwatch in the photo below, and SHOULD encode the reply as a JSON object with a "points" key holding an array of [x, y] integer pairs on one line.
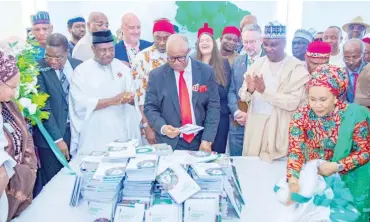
{"points": [[340, 167]]}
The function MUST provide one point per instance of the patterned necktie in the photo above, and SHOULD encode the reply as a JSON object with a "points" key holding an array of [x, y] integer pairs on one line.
{"points": [[186, 117], [64, 82], [355, 75]]}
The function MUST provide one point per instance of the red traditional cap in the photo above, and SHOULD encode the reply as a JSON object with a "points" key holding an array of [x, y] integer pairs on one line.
{"points": [[163, 26], [366, 40], [205, 29], [318, 49], [231, 30]]}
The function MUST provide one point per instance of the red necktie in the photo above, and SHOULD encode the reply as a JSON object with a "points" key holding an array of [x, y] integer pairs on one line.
{"points": [[185, 107]]}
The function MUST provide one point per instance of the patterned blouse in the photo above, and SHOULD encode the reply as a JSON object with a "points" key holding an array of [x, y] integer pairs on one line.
{"points": [[15, 131], [312, 137], [144, 62]]}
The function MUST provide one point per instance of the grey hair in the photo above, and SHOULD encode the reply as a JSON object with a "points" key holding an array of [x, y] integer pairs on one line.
{"points": [[353, 42], [252, 27], [173, 37]]}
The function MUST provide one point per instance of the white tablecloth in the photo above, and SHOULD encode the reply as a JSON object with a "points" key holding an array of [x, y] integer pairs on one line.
{"points": [[257, 179]]}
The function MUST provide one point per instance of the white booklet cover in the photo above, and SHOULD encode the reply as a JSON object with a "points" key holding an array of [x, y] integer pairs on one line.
{"points": [[178, 183], [130, 213]]}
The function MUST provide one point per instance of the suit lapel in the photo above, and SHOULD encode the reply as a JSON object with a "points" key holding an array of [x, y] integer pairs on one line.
{"points": [[196, 74], [52, 76], [171, 84]]}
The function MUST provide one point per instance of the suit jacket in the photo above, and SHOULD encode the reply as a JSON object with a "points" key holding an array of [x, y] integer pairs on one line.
{"points": [[121, 53], [56, 104], [162, 105]]}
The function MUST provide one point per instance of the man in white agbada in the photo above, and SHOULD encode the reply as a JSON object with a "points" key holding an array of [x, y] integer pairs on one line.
{"points": [[274, 87], [103, 103], [97, 22]]}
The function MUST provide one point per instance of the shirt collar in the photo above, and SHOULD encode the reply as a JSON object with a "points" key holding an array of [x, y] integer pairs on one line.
{"points": [[129, 47]]}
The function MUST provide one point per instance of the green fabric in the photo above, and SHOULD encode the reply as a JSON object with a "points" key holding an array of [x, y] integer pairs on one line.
{"points": [[356, 180]]}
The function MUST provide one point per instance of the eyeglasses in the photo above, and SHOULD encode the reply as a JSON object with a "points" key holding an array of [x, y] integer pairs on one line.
{"points": [[178, 58], [57, 58], [318, 40]]}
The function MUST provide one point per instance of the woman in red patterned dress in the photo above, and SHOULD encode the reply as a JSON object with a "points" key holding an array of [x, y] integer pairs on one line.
{"points": [[330, 129]]}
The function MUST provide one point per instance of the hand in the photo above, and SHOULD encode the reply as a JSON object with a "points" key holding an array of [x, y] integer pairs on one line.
{"points": [[250, 83], [4, 180], [259, 83], [64, 148], [328, 168], [205, 146], [149, 135], [293, 188], [241, 118], [171, 131]]}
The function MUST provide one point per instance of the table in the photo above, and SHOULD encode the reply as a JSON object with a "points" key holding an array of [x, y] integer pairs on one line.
{"points": [[257, 179]]}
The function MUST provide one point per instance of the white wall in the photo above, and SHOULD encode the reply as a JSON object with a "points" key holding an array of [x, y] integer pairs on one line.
{"points": [[11, 19]]}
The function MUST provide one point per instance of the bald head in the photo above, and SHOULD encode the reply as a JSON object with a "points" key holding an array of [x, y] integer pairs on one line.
{"points": [[177, 52], [353, 52], [177, 42], [131, 29], [354, 45], [97, 21], [248, 20]]}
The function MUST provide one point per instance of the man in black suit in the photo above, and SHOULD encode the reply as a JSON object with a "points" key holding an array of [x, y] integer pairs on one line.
{"points": [[56, 70], [179, 92]]}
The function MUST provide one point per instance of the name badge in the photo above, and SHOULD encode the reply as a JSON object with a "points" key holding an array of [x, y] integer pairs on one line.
{"points": [[9, 128]]}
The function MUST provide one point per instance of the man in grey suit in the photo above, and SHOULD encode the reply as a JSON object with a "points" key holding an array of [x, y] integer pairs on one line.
{"points": [[252, 41], [182, 91], [56, 70]]}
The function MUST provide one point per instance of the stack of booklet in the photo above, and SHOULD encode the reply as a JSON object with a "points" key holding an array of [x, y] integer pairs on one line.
{"points": [[106, 182], [141, 172], [161, 149], [121, 150]]}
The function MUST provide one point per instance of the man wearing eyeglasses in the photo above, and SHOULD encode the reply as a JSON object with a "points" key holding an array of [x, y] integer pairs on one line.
{"points": [[103, 107], [353, 53], [97, 21], [56, 70], [41, 29], [183, 91], [147, 60]]}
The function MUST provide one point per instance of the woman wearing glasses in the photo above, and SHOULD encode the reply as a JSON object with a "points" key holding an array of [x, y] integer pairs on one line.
{"points": [[208, 52], [17, 156]]}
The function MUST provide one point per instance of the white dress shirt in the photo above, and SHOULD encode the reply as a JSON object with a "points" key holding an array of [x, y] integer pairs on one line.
{"points": [[68, 71], [188, 77]]}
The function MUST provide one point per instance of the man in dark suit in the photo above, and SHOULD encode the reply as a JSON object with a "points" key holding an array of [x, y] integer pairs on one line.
{"points": [[131, 44], [182, 91], [252, 41], [56, 70]]}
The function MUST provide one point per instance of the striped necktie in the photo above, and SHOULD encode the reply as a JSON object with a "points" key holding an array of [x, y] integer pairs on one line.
{"points": [[64, 82]]}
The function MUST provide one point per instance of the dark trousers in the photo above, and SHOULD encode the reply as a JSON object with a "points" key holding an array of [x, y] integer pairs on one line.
{"points": [[50, 165], [219, 145]]}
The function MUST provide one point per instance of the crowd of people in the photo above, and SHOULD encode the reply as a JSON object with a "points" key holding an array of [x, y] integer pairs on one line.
{"points": [[245, 90]]}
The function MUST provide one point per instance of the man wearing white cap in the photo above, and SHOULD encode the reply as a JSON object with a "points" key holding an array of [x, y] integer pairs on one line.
{"points": [[300, 43], [356, 28], [274, 87]]}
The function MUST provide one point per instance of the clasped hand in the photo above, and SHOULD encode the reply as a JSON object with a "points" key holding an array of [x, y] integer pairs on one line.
{"points": [[255, 82], [124, 97]]}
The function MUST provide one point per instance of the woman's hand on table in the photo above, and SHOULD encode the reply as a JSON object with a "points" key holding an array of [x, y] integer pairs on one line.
{"points": [[328, 168], [293, 188], [4, 179]]}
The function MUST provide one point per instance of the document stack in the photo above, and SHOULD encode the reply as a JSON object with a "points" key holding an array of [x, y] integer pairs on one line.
{"points": [[141, 172], [161, 149], [119, 151]]}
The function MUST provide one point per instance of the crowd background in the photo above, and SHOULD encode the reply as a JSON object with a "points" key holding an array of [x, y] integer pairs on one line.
{"points": [[295, 14]]}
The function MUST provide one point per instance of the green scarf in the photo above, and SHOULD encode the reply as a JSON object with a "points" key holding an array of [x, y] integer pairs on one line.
{"points": [[358, 179]]}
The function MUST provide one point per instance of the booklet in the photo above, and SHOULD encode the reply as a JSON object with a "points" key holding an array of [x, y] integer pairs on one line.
{"points": [[190, 128], [178, 183], [130, 213], [164, 213], [199, 210]]}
